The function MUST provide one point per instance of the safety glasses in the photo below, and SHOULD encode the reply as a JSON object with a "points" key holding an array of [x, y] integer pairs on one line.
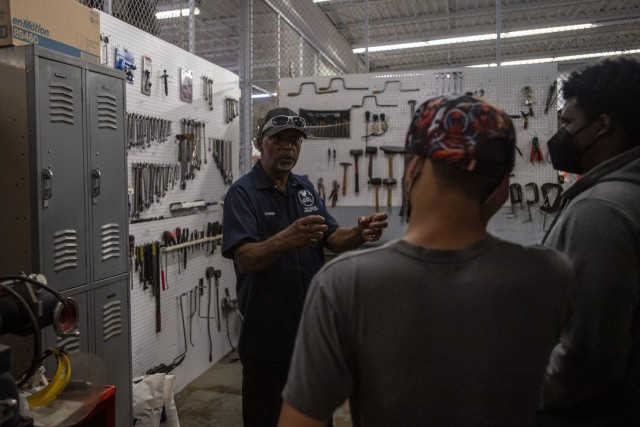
{"points": [[281, 121]]}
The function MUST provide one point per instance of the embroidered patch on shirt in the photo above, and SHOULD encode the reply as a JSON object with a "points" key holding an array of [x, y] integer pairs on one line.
{"points": [[306, 198], [269, 214]]}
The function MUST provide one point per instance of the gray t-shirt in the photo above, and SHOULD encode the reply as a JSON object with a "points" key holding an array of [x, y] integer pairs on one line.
{"points": [[416, 337]]}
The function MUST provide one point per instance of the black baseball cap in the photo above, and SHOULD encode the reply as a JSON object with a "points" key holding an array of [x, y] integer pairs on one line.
{"points": [[294, 121]]}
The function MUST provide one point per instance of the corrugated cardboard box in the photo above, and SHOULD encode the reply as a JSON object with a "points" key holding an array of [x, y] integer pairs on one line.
{"points": [[61, 25]]}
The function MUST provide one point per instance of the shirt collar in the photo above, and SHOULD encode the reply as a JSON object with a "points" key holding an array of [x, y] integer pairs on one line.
{"points": [[263, 181]]}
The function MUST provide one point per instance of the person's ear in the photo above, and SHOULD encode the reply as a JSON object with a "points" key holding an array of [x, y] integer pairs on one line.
{"points": [[413, 168], [496, 199], [605, 124]]}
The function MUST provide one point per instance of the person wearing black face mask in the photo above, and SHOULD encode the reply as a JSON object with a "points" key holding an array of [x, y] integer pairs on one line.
{"points": [[593, 375], [564, 151]]}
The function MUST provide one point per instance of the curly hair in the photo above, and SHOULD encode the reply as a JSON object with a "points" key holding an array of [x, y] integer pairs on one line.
{"points": [[609, 87]]}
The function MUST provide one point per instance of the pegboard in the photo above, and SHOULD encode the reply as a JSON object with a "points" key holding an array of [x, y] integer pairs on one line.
{"points": [[391, 94], [149, 348]]}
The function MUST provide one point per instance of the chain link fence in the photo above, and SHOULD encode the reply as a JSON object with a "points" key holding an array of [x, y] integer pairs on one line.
{"points": [[139, 13], [279, 50]]}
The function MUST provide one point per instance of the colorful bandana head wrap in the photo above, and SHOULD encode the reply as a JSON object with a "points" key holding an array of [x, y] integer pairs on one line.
{"points": [[464, 131]]}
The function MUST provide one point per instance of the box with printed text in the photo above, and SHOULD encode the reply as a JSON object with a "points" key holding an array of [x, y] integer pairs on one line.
{"points": [[61, 25]]}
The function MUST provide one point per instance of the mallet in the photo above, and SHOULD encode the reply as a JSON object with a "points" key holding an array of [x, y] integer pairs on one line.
{"points": [[390, 151]]}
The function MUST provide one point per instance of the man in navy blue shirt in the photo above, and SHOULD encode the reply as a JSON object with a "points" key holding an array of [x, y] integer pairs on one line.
{"points": [[276, 227]]}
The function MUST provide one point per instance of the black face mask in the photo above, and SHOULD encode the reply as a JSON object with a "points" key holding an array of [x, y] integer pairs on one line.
{"points": [[564, 150]]}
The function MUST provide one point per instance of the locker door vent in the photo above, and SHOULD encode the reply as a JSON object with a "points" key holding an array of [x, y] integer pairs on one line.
{"points": [[61, 103], [111, 320], [110, 241], [65, 250], [107, 111], [69, 343]]}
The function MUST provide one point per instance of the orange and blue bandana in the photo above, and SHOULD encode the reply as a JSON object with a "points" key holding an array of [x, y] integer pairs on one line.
{"points": [[463, 131]]}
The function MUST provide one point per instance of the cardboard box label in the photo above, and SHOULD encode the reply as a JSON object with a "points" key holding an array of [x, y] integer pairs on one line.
{"points": [[31, 32], [61, 25]]}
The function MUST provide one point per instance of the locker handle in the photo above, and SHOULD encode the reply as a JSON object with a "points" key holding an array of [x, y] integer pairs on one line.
{"points": [[95, 185], [47, 186]]}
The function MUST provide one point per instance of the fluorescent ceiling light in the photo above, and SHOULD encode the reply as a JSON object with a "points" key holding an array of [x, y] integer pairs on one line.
{"points": [[477, 38], [319, 1], [175, 13], [264, 95], [560, 58], [391, 47], [549, 30], [467, 39]]}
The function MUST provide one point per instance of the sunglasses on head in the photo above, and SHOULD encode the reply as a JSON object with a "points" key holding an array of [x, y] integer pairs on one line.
{"points": [[280, 121]]}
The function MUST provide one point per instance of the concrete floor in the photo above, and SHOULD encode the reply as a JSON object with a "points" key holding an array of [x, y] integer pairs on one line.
{"points": [[215, 399]]}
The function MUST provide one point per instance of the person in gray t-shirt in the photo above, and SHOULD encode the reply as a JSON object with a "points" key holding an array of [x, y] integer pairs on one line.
{"points": [[448, 325]]}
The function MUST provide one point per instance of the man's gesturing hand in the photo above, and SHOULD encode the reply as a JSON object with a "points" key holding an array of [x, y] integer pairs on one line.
{"points": [[370, 227], [305, 232]]}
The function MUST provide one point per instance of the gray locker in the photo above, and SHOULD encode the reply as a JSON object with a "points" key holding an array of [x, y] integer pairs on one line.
{"points": [[41, 117], [112, 341], [107, 172], [63, 191]]}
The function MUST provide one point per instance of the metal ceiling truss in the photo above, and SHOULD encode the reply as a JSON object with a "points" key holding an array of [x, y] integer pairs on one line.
{"points": [[396, 21]]}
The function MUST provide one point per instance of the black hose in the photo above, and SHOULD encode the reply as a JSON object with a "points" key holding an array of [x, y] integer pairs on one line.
{"points": [[37, 349], [15, 278]]}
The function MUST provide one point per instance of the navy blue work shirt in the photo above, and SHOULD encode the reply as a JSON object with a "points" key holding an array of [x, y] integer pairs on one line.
{"points": [[271, 300]]}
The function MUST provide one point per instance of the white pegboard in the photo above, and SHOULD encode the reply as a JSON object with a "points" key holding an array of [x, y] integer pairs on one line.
{"points": [[148, 347], [502, 86]]}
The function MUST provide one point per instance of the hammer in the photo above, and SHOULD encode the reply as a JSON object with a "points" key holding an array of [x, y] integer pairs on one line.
{"points": [[376, 182], [345, 165], [389, 182], [356, 154], [371, 151], [390, 151]]}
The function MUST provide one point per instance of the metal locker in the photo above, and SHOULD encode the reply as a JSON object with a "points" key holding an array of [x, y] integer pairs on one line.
{"points": [[112, 336], [43, 214], [61, 146], [107, 172]]}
